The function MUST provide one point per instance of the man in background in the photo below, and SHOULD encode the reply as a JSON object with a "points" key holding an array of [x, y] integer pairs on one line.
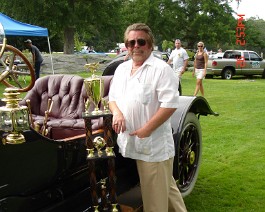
{"points": [[36, 57], [180, 58]]}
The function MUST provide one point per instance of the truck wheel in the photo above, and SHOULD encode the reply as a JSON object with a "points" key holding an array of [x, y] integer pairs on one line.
{"points": [[209, 76], [227, 74], [188, 155]]}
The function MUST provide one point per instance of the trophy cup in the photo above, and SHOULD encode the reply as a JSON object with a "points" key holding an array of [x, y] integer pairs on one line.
{"points": [[94, 88]]}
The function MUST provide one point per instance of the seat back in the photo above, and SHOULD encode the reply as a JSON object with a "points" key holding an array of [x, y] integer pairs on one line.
{"points": [[64, 90]]}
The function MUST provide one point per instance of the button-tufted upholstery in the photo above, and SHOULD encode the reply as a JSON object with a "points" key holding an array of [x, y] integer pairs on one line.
{"points": [[68, 94]]}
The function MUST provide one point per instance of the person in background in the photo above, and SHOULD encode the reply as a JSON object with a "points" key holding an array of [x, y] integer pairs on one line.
{"points": [[200, 68], [36, 57], [180, 58], [142, 99]]}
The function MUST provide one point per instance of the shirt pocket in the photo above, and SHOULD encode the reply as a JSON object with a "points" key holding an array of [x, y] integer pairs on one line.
{"points": [[143, 145], [145, 94]]}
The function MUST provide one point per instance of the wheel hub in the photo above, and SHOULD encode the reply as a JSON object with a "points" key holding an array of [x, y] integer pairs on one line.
{"points": [[191, 157]]}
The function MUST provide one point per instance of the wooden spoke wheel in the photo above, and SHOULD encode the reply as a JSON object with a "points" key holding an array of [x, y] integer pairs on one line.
{"points": [[16, 70], [188, 155]]}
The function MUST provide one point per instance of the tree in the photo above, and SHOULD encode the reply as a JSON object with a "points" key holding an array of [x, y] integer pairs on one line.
{"points": [[188, 20], [64, 18], [255, 33], [101, 23]]}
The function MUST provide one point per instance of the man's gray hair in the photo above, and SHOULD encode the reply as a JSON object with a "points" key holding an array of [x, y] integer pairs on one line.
{"points": [[140, 27]]}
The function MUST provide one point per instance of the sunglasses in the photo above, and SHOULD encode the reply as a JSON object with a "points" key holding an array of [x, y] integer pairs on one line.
{"points": [[131, 43], [199, 46]]}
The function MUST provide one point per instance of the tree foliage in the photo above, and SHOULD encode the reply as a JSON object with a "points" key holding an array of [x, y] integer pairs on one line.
{"points": [[101, 23]]}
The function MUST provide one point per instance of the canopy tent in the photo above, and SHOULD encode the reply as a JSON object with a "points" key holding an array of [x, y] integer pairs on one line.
{"points": [[16, 28]]}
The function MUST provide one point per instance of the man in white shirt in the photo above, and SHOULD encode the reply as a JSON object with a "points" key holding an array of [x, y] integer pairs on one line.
{"points": [[180, 58], [143, 96]]}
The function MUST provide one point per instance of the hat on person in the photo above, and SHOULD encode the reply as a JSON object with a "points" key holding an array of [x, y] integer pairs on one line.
{"points": [[28, 41]]}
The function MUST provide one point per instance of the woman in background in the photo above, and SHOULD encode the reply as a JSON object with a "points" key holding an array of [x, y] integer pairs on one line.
{"points": [[200, 68]]}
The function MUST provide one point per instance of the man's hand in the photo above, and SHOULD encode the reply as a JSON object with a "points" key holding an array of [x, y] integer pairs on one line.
{"points": [[118, 120]]}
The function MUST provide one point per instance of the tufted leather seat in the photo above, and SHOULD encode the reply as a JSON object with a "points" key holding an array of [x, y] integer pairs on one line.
{"points": [[68, 94]]}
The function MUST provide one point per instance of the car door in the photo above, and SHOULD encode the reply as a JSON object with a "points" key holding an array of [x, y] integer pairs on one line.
{"points": [[252, 65]]}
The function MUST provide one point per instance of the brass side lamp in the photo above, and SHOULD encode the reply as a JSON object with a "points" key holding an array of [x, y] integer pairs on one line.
{"points": [[14, 118]]}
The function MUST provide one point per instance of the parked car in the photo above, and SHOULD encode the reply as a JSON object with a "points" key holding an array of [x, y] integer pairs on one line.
{"points": [[92, 52], [52, 168], [236, 62], [218, 55]]}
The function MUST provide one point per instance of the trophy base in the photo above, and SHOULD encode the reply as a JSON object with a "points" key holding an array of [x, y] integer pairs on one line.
{"points": [[14, 138], [97, 112]]}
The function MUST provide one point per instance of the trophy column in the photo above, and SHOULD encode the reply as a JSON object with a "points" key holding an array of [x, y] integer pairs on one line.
{"points": [[99, 148]]}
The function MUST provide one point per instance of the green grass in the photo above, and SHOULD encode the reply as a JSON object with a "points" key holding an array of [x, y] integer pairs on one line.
{"points": [[232, 172]]}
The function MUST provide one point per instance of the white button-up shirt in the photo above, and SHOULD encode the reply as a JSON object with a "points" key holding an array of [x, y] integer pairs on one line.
{"points": [[138, 97]]}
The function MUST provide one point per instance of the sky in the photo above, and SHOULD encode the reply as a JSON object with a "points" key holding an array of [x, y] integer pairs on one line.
{"points": [[249, 8]]}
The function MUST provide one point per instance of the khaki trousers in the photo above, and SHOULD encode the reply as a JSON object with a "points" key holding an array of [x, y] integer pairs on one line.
{"points": [[158, 187]]}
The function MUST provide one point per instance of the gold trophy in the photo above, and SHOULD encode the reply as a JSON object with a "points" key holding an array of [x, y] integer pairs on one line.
{"points": [[94, 88]]}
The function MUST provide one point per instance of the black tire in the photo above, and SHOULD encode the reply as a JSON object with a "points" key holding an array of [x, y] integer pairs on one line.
{"points": [[111, 68], [227, 74], [188, 155], [209, 76]]}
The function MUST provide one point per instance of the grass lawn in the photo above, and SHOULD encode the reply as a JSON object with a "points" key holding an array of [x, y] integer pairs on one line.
{"points": [[232, 173]]}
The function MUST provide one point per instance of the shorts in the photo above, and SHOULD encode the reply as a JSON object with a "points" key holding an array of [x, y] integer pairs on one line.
{"points": [[178, 72], [199, 73]]}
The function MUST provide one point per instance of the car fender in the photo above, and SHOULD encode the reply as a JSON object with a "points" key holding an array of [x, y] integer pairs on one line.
{"points": [[197, 105]]}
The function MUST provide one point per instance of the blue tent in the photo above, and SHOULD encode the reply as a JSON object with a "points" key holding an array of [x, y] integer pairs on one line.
{"points": [[16, 28]]}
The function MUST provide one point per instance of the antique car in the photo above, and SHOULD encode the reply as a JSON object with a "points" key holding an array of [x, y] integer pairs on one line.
{"points": [[52, 151]]}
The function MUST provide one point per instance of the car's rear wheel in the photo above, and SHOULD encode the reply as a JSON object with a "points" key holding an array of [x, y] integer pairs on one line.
{"points": [[188, 155], [227, 74]]}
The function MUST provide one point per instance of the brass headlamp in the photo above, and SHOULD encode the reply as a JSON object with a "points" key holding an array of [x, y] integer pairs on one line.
{"points": [[14, 118]]}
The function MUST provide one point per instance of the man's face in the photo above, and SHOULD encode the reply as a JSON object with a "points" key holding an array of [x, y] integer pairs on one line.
{"points": [[177, 44], [137, 45], [27, 45]]}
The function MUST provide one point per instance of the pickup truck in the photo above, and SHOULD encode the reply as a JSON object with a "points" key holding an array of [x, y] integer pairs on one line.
{"points": [[236, 62]]}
